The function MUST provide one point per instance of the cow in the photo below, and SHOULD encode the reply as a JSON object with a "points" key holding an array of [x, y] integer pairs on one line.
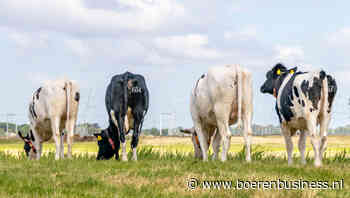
{"points": [[219, 99], [53, 107], [106, 145], [303, 101], [126, 91], [215, 138]]}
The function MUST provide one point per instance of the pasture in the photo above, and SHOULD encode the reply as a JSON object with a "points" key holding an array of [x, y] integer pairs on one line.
{"points": [[164, 168]]}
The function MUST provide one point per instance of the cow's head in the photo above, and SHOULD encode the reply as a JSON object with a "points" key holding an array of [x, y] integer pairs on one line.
{"points": [[274, 79], [29, 147], [195, 141], [106, 147]]}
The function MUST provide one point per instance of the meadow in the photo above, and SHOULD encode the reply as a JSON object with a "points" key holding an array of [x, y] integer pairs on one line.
{"points": [[165, 167]]}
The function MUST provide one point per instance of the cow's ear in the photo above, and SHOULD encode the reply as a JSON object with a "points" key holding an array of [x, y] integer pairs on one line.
{"points": [[292, 71], [279, 69], [97, 134]]}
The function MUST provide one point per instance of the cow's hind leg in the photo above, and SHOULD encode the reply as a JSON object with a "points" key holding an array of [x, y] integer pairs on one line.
{"points": [[70, 137], [121, 130], [137, 130], [55, 125], [216, 145], [323, 134], [289, 143], [247, 134], [222, 115], [302, 146], [314, 140], [202, 137]]}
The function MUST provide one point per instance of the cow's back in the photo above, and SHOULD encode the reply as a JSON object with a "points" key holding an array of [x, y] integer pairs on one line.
{"points": [[52, 102], [218, 86]]}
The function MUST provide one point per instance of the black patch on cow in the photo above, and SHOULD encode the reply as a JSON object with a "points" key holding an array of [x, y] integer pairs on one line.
{"points": [[303, 103], [296, 92], [311, 110], [299, 101], [305, 87], [77, 97], [278, 113], [332, 90], [202, 76], [322, 75], [315, 92], [38, 93], [32, 110], [286, 98]]}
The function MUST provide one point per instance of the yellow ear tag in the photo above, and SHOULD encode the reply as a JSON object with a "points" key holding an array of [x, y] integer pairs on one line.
{"points": [[99, 138], [291, 71], [278, 72]]}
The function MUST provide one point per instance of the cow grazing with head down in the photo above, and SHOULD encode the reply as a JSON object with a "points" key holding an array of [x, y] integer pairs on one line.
{"points": [[221, 98], [107, 146], [53, 108], [29, 148], [127, 97], [304, 101]]}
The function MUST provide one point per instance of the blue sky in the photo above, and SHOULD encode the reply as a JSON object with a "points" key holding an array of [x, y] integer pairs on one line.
{"points": [[171, 43]]}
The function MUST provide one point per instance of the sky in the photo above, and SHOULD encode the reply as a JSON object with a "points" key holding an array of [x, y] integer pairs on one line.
{"points": [[171, 43]]}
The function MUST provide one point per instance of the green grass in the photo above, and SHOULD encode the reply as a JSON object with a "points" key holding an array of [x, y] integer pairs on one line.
{"points": [[162, 171]]}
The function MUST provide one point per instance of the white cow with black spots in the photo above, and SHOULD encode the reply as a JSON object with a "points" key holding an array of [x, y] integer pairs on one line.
{"points": [[53, 107], [303, 101]]}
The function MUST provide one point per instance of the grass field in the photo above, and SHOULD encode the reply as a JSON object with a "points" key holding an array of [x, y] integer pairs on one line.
{"points": [[164, 168]]}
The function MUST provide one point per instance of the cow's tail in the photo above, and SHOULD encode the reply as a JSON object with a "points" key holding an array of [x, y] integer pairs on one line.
{"points": [[324, 100], [332, 90], [146, 95], [239, 84], [68, 89]]}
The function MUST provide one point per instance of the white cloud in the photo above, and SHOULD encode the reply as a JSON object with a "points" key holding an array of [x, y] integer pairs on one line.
{"points": [[188, 46], [74, 16], [244, 33], [25, 40], [342, 77], [289, 54], [340, 38], [77, 47]]}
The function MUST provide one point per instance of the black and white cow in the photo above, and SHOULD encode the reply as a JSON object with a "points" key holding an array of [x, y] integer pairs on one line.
{"points": [[53, 108], [127, 97], [304, 101]]}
